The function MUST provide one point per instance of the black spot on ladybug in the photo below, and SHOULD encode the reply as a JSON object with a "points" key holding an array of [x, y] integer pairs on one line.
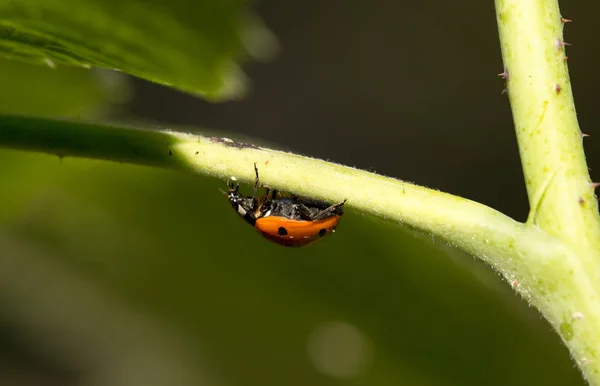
{"points": [[322, 232], [170, 153], [282, 231], [231, 143]]}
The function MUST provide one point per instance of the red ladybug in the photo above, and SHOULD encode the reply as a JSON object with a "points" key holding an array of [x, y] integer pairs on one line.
{"points": [[289, 221]]}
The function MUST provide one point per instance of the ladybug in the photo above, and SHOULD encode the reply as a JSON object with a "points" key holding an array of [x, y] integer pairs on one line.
{"points": [[290, 221]]}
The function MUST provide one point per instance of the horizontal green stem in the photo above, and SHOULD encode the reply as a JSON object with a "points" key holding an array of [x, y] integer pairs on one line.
{"points": [[425, 209], [538, 265]]}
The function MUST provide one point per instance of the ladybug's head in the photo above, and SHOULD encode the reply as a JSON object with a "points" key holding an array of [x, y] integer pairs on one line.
{"points": [[244, 206]]}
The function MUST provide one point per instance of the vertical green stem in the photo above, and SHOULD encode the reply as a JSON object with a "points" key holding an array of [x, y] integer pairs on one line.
{"points": [[560, 192], [558, 184]]}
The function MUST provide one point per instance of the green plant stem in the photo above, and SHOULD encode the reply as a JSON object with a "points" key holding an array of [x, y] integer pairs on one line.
{"points": [[560, 192], [470, 225], [558, 184], [539, 266]]}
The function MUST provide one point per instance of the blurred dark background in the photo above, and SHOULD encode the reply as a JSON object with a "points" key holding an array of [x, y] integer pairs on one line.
{"points": [[123, 275]]}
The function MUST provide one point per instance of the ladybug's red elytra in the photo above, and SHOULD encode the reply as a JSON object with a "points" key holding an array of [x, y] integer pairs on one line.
{"points": [[290, 221]]}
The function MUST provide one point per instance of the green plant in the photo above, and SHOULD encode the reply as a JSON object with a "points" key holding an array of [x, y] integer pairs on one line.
{"points": [[551, 260]]}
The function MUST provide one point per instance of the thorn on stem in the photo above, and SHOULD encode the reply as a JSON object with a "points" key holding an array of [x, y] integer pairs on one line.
{"points": [[584, 135], [504, 74], [560, 44], [595, 184], [504, 91], [563, 20]]}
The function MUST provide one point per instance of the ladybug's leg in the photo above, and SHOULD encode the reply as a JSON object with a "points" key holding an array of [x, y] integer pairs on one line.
{"points": [[328, 211], [255, 191], [274, 194], [303, 212], [266, 199]]}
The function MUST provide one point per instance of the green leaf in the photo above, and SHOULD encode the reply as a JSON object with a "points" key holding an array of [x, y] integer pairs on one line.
{"points": [[30, 89], [190, 45]]}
